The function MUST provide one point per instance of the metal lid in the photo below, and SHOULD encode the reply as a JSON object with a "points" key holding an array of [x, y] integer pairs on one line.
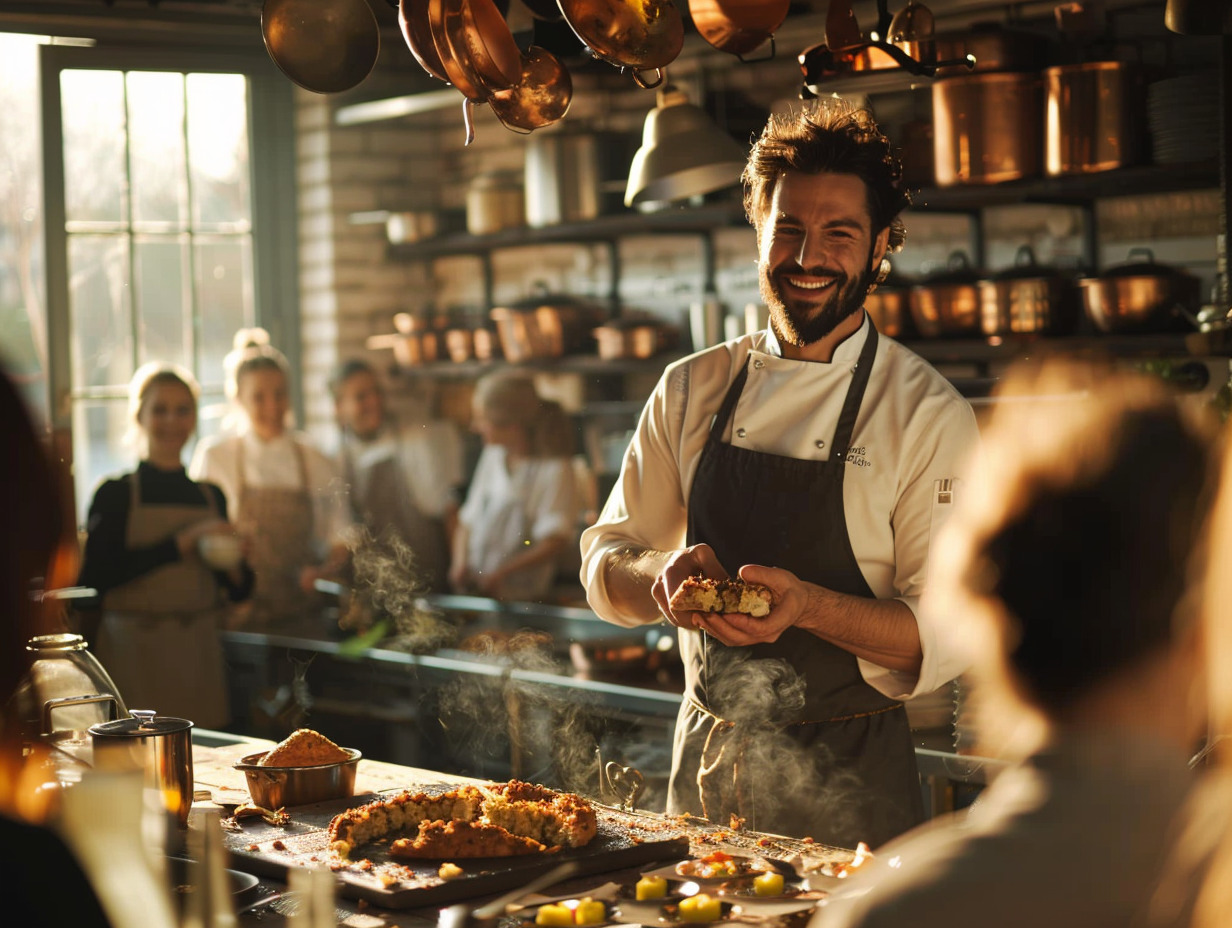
{"points": [[144, 723], [61, 642]]}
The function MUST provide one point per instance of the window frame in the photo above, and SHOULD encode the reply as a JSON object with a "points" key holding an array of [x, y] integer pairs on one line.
{"points": [[271, 134]]}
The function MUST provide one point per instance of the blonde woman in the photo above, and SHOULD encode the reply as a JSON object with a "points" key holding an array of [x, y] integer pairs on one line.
{"points": [[150, 535], [520, 513], [284, 493]]}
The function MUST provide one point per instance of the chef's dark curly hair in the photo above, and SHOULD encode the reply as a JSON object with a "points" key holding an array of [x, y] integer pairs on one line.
{"points": [[833, 137]]}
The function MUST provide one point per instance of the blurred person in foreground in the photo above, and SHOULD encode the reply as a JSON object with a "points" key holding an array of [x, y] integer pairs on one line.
{"points": [[44, 887], [283, 492], [816, 457], [403, 479], [520, 512], [1072, 565], [164, 560]]}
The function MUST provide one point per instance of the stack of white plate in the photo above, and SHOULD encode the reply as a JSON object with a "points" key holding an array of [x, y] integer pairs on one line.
{"points": [[1183, 116]]}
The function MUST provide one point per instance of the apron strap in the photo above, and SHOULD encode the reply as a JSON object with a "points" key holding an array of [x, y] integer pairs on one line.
{"points": [[729, 403], [855, 396]]}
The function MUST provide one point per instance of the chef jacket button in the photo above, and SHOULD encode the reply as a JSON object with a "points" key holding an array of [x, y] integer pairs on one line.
{"points": [[853, 368], [740, 433], [819, 443], [759, 364]]}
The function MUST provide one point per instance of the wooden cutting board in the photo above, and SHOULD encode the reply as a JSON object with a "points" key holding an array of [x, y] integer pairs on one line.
{"points": [[268, 849]]}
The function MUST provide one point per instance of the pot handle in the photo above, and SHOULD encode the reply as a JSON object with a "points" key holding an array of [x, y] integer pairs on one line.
{"points": [[648, 85], [768, 57], [1025, 256], [1141, 252], [958, 261], [53, 704]]}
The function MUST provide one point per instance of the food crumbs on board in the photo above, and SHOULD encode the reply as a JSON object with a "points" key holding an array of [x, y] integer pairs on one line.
{"points": [[278, 846], [449, 871], [254, 847]]}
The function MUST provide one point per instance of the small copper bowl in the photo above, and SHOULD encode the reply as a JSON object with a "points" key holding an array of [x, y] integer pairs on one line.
{"points": [[276, 787]]}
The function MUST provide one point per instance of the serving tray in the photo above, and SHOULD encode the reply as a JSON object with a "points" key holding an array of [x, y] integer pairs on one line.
{"points": [[399, 883]]}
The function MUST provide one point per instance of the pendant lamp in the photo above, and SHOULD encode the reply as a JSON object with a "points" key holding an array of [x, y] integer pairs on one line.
{"points": [[1199, 17], [683, 153]]}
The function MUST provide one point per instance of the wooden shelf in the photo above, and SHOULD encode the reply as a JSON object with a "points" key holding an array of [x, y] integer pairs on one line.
{"points": [[589, 365], [982, 351]]}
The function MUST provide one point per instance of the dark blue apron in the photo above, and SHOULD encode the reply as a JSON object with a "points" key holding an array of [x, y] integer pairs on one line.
{"points": [[787, 735]]}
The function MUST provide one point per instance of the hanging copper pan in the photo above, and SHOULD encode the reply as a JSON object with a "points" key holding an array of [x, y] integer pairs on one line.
{"points": [[737, 26], [413, 19], [540, 98], [643, 36], [326, 46], [546, 10], [479, 38]]}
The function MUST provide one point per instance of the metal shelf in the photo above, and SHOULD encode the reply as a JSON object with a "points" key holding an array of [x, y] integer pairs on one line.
{"points": [[591, 365]]}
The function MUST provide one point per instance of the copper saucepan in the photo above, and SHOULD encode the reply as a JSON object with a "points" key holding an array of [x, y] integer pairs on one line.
{"points": [[642, 36], [326, 46], [478, 36], [737, 26], [413, 20], [540, 98]]}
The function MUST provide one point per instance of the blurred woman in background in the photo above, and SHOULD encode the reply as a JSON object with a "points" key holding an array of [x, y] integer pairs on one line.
{"points": [[286, 496], [162, 556], [520, 513]]}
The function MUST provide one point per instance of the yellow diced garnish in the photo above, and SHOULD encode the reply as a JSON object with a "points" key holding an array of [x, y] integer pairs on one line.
{"points": [[700, 908], [555, 916], [590, 912], [448, 871], [651, 887], [768, 884]]}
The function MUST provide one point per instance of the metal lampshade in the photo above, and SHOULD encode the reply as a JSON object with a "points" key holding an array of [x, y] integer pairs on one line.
{"points": [[683, 153]]}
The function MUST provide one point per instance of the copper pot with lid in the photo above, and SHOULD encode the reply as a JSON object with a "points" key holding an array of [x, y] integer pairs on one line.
{"points": [[161, 745], [947, 303], [1028, 299], [1141, 295]]}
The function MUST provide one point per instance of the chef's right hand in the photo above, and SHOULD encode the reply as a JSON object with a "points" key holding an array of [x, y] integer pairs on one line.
{"points": [[698, 560]]}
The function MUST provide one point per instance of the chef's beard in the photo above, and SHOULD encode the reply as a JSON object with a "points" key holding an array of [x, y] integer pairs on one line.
{"points": [[800, 328]]}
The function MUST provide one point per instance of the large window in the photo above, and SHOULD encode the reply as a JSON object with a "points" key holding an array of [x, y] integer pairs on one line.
{"points": [[165, 218]]}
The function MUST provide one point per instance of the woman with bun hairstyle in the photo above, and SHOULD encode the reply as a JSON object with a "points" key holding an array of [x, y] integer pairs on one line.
{"points": [[520, 512], [284, 493], [164, 559]]}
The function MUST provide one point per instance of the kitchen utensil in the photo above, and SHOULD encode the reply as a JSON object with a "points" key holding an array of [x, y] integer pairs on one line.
{"points": [[162, 746], [65, 691], [1140, 296], [244, 887], [487, 915], [737, 26], [913, 30], [633, 338], [706, 321], [1093, 117], [994, 48], [326, 46], [533, 332], [478, 36], [642, 36], [948, 303], [459, 344], [276, 787], [413, 21], [405, 227], [494, 201], [986, 128], [569, 176], [220, 552], [888, 305], [541, 95], [1028, 299]]}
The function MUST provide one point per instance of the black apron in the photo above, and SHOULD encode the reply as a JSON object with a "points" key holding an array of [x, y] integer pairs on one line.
{"points": [[787, 735]]}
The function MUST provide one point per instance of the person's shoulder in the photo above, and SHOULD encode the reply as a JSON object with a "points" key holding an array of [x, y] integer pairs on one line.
{"points": [[312, 449], [716, 364], [111, 490], [917, 374], [215, 446], [214, 490]]}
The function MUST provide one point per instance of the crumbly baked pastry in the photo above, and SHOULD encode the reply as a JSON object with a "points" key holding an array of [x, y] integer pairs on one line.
{"points": [[704, 594], [303, 748], [547, 820]]}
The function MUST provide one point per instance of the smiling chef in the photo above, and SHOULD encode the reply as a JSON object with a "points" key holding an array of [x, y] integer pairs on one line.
{"points": [[815, 458]]}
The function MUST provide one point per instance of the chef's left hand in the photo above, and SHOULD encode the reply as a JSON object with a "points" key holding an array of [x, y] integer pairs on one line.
{"points": [[736, 629]]}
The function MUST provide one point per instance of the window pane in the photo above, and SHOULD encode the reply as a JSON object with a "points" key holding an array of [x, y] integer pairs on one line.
{"points": [[224, 300], [23, 322], [100, 310], [102, 447], [94, 172], [218, 149], [163, 303], [156, 148]]}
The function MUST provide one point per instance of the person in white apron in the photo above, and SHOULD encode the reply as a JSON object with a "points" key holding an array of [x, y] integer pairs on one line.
{"points": [[149, 534], [520, 511], [403, 481], [286, 496]]}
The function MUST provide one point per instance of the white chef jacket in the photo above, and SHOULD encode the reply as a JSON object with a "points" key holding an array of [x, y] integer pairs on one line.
{"points": [[273, 464], [913, 431], [429, 455], [506, 511]]}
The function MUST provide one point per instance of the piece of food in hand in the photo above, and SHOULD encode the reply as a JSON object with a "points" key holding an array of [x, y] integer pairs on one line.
{"points": [[705, 594], [651, 887], [768, 884], [304, 748], [700, 908]]}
